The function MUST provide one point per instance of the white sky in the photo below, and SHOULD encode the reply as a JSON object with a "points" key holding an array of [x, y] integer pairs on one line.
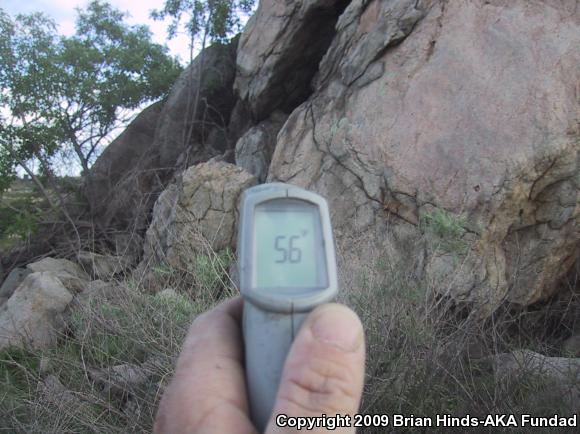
{"points": [[64, 14]]}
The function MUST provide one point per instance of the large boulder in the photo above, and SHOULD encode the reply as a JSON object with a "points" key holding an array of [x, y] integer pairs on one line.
{"points": [[33, 315], [445, 135], [116, 187], [200, 131], [196, 215], [124, 182]]}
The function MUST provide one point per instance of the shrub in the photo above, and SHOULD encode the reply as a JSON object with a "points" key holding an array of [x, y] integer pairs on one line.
{"points": [[446, 230]]}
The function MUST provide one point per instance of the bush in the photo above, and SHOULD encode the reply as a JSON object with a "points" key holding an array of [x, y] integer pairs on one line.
{"points": [[19, 216], [446, 230]]}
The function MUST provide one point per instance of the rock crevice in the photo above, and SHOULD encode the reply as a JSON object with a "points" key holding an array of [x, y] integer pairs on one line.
{"points": [[276, 63]]}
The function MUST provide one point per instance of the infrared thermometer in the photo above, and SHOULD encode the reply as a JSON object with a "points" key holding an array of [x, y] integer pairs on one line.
{"points": [[287, 267]]}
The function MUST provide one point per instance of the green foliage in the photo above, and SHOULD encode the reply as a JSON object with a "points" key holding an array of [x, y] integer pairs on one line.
{"points": [[112, 328], [209, 271], [215, 20], [18, 379], [19, 214], [161, 270], [64, 95], [17, 224], [110, 324], [445, 224], [107, 324], [177, 305], [16, 367], [418, 357], [448, 229]]}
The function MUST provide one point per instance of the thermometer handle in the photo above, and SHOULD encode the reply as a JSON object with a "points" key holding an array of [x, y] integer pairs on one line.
{"points": [[267, 340]]}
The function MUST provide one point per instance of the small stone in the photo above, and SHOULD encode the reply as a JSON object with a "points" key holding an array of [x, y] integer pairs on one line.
{"points": [[70, 274], [34, 314]]}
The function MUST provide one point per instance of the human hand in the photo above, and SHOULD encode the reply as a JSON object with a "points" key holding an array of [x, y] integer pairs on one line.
{"points": [[323, 373]]}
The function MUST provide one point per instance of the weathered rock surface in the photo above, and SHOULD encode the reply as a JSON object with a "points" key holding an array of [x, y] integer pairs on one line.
{"points": [[197, 215], [206, 136], [279, 52], [34, 314], [463, 109], [128, 245], [12, 281], [255, 148], [120, 178], [124, 182], [71, 275]]}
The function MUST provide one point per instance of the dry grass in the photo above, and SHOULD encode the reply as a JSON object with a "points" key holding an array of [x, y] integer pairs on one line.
{"points": [[78, 386], [426, 356]]}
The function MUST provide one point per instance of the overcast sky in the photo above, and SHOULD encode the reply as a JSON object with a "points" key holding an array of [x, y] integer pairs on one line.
{"points": [[64, 14]]}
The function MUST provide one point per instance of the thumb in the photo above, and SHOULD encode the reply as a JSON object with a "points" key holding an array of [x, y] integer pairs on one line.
{"points": [[324, 370]]}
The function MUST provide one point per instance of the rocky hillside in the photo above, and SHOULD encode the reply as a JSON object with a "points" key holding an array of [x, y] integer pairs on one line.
{"points": [[445, 136]]}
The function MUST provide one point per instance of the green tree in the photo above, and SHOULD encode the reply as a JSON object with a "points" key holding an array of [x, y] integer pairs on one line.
{"points": [[208, 20], [63, 96]]}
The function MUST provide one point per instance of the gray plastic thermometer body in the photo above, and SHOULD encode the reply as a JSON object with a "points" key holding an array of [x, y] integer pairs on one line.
{"points": [[287, 267]]}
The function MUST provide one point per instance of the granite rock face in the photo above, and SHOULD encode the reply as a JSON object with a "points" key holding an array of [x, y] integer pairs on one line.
{"points": [[9, 285], [195, 216], [255, 148], [444, 134], [559, 375], [279, 52], [119, 179]]}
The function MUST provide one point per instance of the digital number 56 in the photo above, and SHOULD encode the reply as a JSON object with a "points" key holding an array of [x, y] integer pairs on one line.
{"points": [[291, 254]]}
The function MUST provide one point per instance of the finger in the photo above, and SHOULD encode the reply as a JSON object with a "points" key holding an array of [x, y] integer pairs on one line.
{"points": [[208, 392], [324, 371]]}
